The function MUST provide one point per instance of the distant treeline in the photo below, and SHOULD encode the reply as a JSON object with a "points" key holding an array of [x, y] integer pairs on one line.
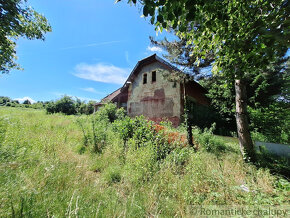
{"points": [[66, 105]]}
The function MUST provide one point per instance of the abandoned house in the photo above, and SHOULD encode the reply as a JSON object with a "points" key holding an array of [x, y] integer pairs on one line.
{"points": [[147, 92]]}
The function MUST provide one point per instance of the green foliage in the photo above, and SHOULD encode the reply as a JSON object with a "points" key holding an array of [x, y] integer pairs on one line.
{"points": [[142, 134], [86, 108], [26, 102], [180, 156], [242, 41], [271, 124], [50, 108], [124, 127], [94, 133], [138, 129], [4, 100], [8, 102], [110, 112], [96, 128], [167, 123], [18, 20], [205, 116], [67, 105], [208, 141], [142, 131]]}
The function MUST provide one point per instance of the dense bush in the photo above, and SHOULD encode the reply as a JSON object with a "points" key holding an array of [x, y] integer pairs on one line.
{"points": [[67, 105], [209, 142], [110, 112], [204, 117], [96, 127], [270, 124]]}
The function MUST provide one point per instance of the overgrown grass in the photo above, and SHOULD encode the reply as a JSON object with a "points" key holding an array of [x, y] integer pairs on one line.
{"points": [[50, 166]]}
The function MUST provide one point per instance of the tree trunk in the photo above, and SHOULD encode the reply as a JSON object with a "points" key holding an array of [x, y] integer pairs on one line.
{"points": [[187, 118], [245, 140]]}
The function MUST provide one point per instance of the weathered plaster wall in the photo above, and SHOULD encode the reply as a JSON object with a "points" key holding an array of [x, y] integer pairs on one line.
{"points": [[157, 100]]}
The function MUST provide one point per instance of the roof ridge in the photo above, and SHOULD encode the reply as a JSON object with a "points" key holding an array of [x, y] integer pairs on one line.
{"points": [[110, 94]]}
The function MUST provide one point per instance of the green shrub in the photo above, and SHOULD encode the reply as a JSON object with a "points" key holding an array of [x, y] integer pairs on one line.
{"points": [[125, 128], [179, 156], [51, 108], [94, 132], [270, 124], [137, 128], [66, 105], [167, 123], [98, 135], [208, 142], [142, 133], [142, 130], [162, 147], [110, 112]]}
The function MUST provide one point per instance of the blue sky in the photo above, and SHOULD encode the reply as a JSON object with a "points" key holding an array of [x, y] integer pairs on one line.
{"points": [[92, 49]]}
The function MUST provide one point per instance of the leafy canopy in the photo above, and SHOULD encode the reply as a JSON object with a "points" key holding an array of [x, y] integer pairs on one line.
{"points": [[17, 19], [245, 36]]}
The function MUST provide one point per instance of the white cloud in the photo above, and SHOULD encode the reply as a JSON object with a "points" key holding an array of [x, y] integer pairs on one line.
{"points": [[154, 49], [102, 73], [21, 100], [90, 89]]}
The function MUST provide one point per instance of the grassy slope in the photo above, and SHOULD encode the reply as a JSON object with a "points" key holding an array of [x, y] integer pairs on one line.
{"points": [[42, 174]]}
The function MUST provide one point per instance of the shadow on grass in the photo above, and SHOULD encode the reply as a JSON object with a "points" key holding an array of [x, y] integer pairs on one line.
{"points": [[276, 164]]}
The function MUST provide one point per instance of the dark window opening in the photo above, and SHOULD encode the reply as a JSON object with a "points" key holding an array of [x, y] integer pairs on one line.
{"points": [[145, 78], [154, 76]]}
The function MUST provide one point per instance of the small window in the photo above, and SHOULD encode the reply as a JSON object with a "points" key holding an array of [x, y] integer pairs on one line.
{"points": [[153, 76], [145, 78]]}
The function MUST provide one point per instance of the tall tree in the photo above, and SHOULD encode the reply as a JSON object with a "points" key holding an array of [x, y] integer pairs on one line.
{"points": [[262, 90], [244, 36], [17, 19]]}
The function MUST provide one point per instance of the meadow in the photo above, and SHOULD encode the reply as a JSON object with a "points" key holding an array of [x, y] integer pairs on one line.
{"points": [[107, 165]]}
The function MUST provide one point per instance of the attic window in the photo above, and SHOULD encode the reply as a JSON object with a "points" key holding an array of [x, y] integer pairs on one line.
{"points": [[153, 76], [145, 78]]}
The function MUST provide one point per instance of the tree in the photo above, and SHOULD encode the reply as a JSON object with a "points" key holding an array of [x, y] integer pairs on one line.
{"points": [[66, 105], [17, 19], [27, 102], [4, 100], [179, 53], [244, 36], [263, 90]]}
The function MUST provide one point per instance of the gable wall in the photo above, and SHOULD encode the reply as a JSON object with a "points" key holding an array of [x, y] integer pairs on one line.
{"points": [[157, 100]]}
